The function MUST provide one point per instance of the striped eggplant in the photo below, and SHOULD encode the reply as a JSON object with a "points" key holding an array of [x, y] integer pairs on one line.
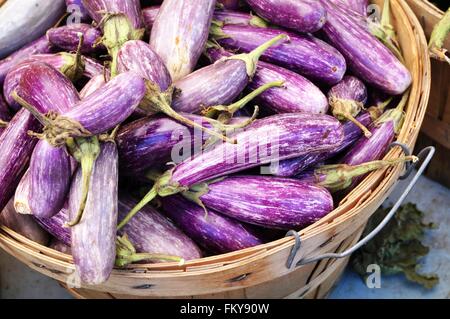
{"points": [[55, 225], [299, 15], [383, 133], [267, 140], [153, 233], [94, 237], [24, 225], [358, 6], [347, 99], [223, 16], [39, 46], [219, 83], [297, 94], [49, 179], [367, 57], [180, 32], [22, 22], [16, 146], [99, 112], [68, 37], [77, 11], [120, 20], [341, 176], [264, 201], [138, 57], [93, 85], [214, 232], [352, 133], [303, 54]]}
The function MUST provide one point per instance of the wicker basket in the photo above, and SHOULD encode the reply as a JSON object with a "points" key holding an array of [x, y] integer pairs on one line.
{"points": [[436, 126], [262, 272]]}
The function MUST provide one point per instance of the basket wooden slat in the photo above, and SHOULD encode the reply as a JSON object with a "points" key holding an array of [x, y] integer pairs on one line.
{"points": [[261, 271]]}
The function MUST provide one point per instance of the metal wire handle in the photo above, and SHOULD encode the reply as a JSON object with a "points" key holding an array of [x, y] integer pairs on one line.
{"points": [[426, 154]]}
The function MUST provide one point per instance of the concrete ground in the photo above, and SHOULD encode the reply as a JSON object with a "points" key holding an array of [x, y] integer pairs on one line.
{"points": [[18, 281]]}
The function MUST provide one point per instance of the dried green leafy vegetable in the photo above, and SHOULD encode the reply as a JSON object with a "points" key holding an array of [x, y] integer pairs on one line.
{"points": [[398, 247]]}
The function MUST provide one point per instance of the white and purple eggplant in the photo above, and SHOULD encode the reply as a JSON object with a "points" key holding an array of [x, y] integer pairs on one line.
{"points": [[367, 57], [264, 201], [180, 32], [214, 232], [56, 225], [303, 54], [154, 236], [68, 37], [22, 22], [267, 140], [93, 85], [347, 99], [352, 133], [340, 177], [221, 82], [305, 16], [94, 237], [297, 94], [220, 16], [38, 46]]}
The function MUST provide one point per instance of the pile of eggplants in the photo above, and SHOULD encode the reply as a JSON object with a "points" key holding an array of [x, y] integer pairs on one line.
{"points": [[166, 131]]}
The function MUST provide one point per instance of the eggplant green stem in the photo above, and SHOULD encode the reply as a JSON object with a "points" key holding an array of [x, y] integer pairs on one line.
{"points": [[75, 68], [396, 115], [251, 59], [438, 36], [347, 110], [85, 151], [258, 22], [377, 110], [126, 254], [30, 108], [147, 199], [339, 177], [117, 30], [233, 108]]}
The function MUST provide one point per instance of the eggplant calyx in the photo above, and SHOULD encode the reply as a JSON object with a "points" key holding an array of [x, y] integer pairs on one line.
{"points": [[126, 254], [233, 108], [396, 115], [377, 110], [157, 101], [339, 177], [117, 30], [217, 33], [251, 59], [258, 22], [344, 109], [195, 193], [86, 152], [74, 68]]}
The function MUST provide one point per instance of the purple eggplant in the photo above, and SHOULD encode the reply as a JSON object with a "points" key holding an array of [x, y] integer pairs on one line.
{"points": [[180, 32], [130, 8], [16, 146], [214, 232], [300, 15], [352, 133], [49, 179], [358, 6], [23, 224], [367, 57], [347, 99], [138, 57], [341, 176], [383, 133], [224, 16], [99, 112], [264, 201], [64, 62], [297, 94], [93, 239], [77, 10], [303, 54], [267, 140], [39, 46], [56, 225], [219, 83], [68, 37], [152, 142], [153, 233]]}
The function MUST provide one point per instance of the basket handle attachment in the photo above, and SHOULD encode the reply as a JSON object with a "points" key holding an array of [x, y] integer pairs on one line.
{"points": [[425, 157]]}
